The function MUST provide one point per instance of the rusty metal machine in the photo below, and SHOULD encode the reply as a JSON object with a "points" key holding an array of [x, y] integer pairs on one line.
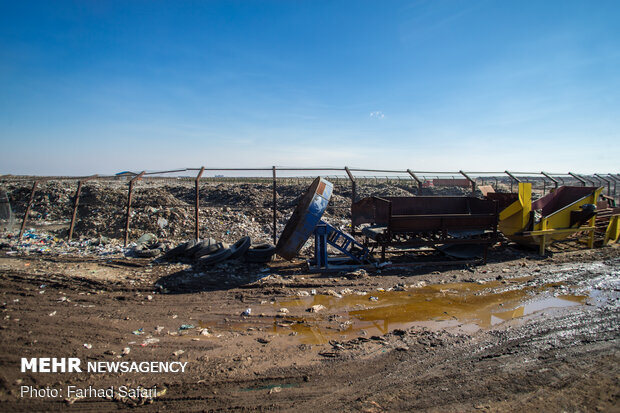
{"points": [[441, 222], [569, 211]]}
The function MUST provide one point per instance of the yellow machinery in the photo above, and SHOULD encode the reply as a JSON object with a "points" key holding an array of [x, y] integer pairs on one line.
{"points": [[564, 212], [607, 222]]}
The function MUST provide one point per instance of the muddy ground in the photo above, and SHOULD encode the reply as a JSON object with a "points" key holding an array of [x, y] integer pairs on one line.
{"points": [[522, 332]]}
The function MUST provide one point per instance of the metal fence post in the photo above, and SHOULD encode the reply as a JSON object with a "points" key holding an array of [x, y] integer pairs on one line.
{"points": [[353, 193], [615, 179], [34, 188], [417, 180], [202, 169], [129, 197], [608, 183], [275, 205], [471, 181], [76, 204], [579, 178], [513, 177], [555, 181]]}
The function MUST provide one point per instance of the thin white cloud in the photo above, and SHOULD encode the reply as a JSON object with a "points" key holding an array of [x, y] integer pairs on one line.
{"points": [[377, 114]]}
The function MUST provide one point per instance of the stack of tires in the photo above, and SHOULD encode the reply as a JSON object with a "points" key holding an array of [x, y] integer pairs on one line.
{"points": [[211, 252]]}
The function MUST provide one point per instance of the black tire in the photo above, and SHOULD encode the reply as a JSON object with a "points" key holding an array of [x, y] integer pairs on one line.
{"points": [[260, 253], [144, 252], [198, 246], [209, 250], [179, 250], [240, 247], [206, 250], [215, 258]]}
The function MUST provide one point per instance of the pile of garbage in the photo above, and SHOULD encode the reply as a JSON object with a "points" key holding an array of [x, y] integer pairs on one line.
{"points": [[44, 243], [229, 211]]}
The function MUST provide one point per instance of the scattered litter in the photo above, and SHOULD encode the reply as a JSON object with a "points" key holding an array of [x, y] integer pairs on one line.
{"points": [[178, 353], [328, 354], [149, 341], [125, 351], [146, 238], [186, 327], [333, 293], [53, 313], [88, 346], [373, 298], [162, 222], [246, 312], [361, 273], [138, 331], [316, 308]]}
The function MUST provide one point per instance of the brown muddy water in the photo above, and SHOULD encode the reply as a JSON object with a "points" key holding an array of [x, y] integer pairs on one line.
{"points": [[466, 306]]}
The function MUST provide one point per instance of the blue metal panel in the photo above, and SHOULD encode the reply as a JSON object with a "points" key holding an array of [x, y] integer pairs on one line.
{"points": [[305, 218]]}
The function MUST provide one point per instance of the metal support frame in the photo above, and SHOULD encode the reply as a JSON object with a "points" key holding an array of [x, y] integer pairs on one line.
{"points": [[544, 234], [324, 235], [275, 205], [129, 198], [34, 188], [76, 203], [202, 169]]}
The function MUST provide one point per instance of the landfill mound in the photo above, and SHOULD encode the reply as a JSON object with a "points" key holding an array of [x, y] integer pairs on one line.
{"points": [[166, 208]]}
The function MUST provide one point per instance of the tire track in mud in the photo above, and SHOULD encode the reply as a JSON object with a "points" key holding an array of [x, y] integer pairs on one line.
{"points": [[494, 369]]}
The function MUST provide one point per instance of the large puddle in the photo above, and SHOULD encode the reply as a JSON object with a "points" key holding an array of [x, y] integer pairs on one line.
{"points": [[467, 306]]}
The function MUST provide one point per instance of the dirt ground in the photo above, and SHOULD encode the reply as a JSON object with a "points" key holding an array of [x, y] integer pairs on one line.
{"points": [[522, 332]]}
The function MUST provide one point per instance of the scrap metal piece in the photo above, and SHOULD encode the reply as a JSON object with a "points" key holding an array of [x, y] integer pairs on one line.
{"points": [[305, 218]]}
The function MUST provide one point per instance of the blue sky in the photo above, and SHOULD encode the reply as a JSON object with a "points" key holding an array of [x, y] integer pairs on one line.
{"points": [[104, 86]]}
